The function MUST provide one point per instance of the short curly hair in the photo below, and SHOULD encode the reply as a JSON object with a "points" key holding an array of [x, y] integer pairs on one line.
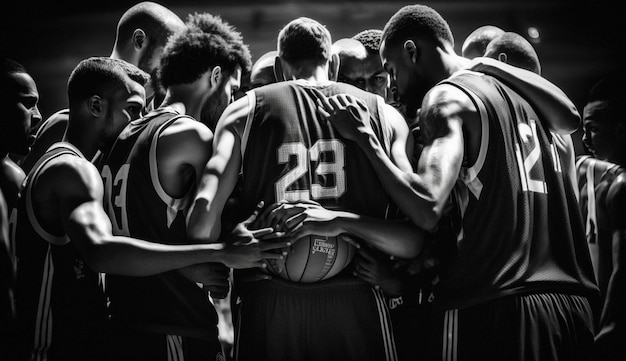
{"points": [[304, 39], [370, 39], [206, 42], [418, 21]]}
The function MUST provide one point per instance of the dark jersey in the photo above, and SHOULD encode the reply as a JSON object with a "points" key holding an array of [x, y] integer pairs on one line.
{"points": [[139, 207], [518, 227], [60, 302], [291, 153], [595, 177]]}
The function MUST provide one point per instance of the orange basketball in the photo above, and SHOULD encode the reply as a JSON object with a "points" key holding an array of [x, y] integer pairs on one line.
{"points": [[313, 258]]}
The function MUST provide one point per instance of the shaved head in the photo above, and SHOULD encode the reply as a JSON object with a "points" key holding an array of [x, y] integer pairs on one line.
{"points": [[476, 42]]}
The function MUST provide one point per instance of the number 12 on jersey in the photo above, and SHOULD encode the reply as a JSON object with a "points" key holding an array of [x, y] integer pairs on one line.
{"points": [[333, 164]]}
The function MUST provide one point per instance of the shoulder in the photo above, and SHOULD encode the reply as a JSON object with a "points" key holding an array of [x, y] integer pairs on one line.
{"points": [[445, 103], [235, 116], [616, 195], [393, 117], [68, 175], [183, 141], [187, 128]]}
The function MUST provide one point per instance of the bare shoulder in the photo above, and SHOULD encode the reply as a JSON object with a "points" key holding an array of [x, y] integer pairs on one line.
{"points": [[446, 99], [235, 115], [616, 196], [394, 118], [70, 176]]}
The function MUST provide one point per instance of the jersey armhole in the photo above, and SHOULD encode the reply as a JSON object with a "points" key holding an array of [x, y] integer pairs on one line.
{"points": [[386, 128], [470, 174], [30, 211], [251, 95], [173, 203]]}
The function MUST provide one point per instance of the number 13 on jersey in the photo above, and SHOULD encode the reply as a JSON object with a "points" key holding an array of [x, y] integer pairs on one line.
{"points": [[330, 165]]}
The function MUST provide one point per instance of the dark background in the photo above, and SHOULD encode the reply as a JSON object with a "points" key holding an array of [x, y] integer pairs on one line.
{"points": [[580, 41]]}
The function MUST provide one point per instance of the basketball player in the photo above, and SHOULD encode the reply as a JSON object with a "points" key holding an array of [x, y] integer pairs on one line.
{"points": [[19, 97], [142, 32], [341, 318], [603, 203], [157, 160], [476, 42], [518, 279]]}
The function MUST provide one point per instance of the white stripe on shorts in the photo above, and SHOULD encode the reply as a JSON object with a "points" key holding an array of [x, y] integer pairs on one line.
{"points": [[175, 348], [385, 326], [450, 335]]}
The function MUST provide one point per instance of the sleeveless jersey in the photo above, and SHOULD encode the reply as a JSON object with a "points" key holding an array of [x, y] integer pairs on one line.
{"points": [[139, 207], [60, 302], [517, 224], [291, 153], [594, 179]]}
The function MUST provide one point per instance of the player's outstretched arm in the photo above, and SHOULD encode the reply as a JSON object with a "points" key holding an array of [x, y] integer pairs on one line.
{"points": [[219, 177], [78, 188], [421, 195]]}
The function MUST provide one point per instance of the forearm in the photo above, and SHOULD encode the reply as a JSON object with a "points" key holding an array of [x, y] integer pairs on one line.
{"points": [[131, 257], [399, 239], [405, 188]]}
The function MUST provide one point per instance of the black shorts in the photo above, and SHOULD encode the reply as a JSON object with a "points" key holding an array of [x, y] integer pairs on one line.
{"points": [[339, 320], [131, 344], [541, 327]]}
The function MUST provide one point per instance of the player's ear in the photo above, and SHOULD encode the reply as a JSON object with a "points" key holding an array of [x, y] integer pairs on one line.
{"points": [[333, 67], [411, 50], [278, 69], [96, 105], [139, 39], [215, 78]]}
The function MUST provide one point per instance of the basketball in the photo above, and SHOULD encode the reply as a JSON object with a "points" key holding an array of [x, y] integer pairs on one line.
{"points": [[313, 258]]}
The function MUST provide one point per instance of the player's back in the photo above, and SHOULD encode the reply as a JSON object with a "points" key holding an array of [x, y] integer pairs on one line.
{"points": [[139, 207], [518, 225], [291, 153]]}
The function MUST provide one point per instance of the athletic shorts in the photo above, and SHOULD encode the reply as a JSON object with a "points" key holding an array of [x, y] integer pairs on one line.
{"points": [[541, 327], [336, 319], [133, 345]]}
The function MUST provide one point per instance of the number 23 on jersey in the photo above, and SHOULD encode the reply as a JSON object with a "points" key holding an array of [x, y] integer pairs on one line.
{"points": [[325, 159]]}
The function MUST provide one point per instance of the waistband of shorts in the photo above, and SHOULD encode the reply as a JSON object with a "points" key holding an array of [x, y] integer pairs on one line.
{"points": [[341, 280], [199, 333]]}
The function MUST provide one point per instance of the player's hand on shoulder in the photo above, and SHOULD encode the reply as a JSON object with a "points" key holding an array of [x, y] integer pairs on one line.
{"points": [[349, 115]]}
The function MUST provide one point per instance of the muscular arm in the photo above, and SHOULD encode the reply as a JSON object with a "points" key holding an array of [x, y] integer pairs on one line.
{"points": [[613, 309], [183, 150], [446, 111], [77, 187], [220, 174]]}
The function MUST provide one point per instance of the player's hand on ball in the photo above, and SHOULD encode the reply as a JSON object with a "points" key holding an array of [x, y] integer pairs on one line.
{"points": [[349, 115]]}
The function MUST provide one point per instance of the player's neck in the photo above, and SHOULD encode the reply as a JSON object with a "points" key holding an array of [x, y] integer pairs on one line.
{"points": [[85, 140]]}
